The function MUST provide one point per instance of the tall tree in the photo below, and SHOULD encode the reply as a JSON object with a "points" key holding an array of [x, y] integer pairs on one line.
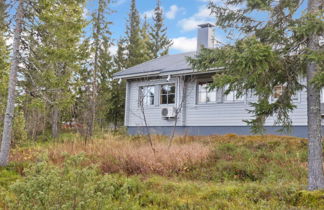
{"points": [[275, 52], [159, 42], [315, 150], [100, 49], [9, 115], [4, 65], [54, 53], [136, 49], [148, 55]]}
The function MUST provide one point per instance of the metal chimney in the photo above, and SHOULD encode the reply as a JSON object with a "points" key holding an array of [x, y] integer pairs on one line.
{"points": [[205, 38]]}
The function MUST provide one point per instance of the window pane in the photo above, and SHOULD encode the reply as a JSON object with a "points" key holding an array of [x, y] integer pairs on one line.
{"points": [[241, 98], [164, 99], [147, 95], [164, 89], [277, 92], [151, 102], [229, 96], [211, 96], [202, 97], [171, 99], [172, 89]]}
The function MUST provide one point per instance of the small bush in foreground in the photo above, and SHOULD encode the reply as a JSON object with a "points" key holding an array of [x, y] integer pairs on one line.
{"points": [[69, 187]]}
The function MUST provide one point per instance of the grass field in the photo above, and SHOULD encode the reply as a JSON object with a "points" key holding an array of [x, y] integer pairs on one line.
{"points": [[122, 172]]}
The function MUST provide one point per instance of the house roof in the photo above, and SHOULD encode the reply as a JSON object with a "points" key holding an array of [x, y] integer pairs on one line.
{"points": [[165, 65]]}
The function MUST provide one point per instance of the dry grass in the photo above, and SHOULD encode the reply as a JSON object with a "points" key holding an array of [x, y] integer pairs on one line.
{"points": [[134, 157]]}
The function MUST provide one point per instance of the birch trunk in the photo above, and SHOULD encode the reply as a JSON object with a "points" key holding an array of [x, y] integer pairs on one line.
{"points": [[7, 127], [315, 159]]}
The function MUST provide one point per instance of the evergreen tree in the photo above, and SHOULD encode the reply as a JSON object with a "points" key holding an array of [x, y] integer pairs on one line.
{"points": [[146, 40], [102, 58], [275, 52], [159, 42], [116, 100], [137, 52], [54, 56]]}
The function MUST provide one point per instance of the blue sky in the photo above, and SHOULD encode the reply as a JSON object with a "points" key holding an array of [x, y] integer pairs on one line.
{"points": [[181, 19]]}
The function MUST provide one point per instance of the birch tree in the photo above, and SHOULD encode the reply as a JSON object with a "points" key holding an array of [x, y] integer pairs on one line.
{"points": [[9, 114], [272, 52]]}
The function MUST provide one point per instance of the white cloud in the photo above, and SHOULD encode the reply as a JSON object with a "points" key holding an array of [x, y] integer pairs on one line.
{"points": [[113, 49], [173, 11], [184, 44], [202, 16], [149, 14], [118, 2]]}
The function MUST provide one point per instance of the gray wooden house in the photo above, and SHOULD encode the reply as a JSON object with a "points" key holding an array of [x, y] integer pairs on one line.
{"points": [[166, 92]]}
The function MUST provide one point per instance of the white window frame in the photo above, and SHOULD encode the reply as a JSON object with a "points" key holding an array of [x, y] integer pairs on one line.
{"points": [[146, 97], [295, 98], [160, 94], [214, 91], [242, 99], [322, 95]]}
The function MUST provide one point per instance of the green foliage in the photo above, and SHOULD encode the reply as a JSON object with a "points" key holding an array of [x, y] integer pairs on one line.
{"points": [[273, 52], [71, 187], [19, 128], [159, 43], [243, 172], [7, 177], [242, 160], [4, 64], [136, 46], [55, 57]]}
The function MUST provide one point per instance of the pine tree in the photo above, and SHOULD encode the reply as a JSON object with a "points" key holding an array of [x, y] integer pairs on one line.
{"points": [[274, 52], [159, 42]]}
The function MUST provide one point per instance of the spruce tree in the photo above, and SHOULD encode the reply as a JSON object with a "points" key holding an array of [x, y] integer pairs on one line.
{"points": [[102, 59], [159, 42], [277, 51], [146, 40], [54, 56], [137, 52]]}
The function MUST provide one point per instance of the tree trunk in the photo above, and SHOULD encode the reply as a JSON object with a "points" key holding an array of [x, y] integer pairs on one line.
{"points": [[55, 119], [7, 127], [315, 159]]}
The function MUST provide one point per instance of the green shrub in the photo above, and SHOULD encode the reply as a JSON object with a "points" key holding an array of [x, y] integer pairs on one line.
{"points": [[7, 177], [70, 187]]}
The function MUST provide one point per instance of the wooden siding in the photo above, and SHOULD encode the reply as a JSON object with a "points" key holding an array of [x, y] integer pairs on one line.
{"points": [[193, 114]]}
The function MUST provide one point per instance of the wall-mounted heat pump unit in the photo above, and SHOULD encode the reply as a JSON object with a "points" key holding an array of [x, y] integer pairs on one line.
{"points": [[168, 112]]}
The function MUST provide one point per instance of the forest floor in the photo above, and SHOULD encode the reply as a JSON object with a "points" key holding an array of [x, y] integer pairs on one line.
{"points": [[123, 172]]}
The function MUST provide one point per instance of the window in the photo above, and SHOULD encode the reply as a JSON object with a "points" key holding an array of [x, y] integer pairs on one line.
{"points": [[322, 95], [205, 95], [278, 91], [168, 94], [231, 96], [147, 95]]}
